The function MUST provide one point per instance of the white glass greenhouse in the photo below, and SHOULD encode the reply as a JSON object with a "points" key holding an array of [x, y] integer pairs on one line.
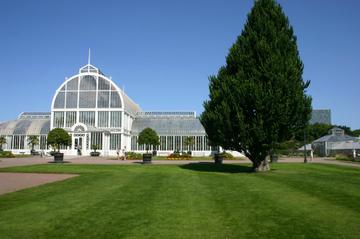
{"points": [[95, 111]]}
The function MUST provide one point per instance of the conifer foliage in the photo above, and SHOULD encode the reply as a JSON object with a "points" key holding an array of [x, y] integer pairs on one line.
{"points": [[258, 99]]}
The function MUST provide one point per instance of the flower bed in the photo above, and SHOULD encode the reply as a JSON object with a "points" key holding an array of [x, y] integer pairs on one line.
{"points": [[178, 156], [6, 154], [133, 155]]}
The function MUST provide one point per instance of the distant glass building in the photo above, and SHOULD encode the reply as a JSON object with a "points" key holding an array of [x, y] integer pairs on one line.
{"points": [[320, 116], [95, 111], [336, 142]]}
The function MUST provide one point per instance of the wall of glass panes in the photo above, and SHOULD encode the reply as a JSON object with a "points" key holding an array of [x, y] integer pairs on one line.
{"points": [[163, 143], [87, 117], [199, 146], [175, 143], [8, 141], [103, 119], [134, 145], [42, 142], [97, 139], [115, 141], [18, 142], [70, 118], [115, 119], [170, 143], [128, 120], [58, 119]]}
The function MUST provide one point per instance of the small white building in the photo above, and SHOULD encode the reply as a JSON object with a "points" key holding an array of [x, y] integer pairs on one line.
{"points": [[336, 142]]}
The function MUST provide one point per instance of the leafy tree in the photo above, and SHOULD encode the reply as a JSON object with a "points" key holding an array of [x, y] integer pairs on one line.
{"points": [[189, 141], [258, 99], [148, 137], [2, 141], [356, 132], [94, 147], [32, 141], [346, 129], [313, 132], [58, 137]]}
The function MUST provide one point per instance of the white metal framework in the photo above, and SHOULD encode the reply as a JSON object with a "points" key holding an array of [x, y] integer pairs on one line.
{"points": [[95, 111]]}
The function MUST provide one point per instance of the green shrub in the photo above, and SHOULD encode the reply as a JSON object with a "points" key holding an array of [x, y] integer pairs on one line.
{"points": [[133, 155], [227, 155], [174, 155], [186, 155], [343, 157], [6, 154]]}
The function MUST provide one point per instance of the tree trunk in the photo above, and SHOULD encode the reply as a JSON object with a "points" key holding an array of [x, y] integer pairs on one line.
{"points": [[261, 166]]}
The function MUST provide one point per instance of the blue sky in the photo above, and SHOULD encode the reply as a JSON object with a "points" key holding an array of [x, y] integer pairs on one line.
{"points": [[162, 52]]}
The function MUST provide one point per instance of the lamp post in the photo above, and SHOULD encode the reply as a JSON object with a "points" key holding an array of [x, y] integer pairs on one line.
{"points": [[305, 158]]}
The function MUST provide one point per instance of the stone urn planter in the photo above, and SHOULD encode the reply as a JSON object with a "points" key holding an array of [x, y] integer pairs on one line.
{"points": [[95, 154], [218, 157], [147, 158], [58, 157], [273, 158]]}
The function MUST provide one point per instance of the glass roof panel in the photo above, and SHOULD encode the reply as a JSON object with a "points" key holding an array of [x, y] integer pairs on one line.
{"points": [[88, 83], [73, 84], [59, 100]]}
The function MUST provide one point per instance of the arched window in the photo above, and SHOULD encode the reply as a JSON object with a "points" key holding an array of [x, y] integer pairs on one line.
{"points": [[87, 92], [79, 128]]}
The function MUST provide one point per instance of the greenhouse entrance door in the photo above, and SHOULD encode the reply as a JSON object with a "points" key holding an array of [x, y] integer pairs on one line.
{"points": [[78, 145]]}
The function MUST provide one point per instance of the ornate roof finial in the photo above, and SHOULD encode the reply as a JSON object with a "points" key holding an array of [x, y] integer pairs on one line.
{"points": [[89, 57]]}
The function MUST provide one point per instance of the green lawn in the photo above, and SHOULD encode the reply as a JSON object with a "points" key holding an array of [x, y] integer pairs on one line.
{"points": [[192, 201]]}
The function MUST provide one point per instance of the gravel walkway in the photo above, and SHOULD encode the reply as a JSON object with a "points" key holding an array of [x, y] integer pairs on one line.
{"points": [[10, 182], [11, 162]]}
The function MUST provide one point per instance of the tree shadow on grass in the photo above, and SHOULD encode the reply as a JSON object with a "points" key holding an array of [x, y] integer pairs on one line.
{"points": [[219, 168]]}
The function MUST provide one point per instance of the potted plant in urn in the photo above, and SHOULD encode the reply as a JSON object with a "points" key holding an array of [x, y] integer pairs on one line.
{"points": [[219, 157], [32, 141], [2, 141], [56, 138], [94, 153], [148, 137]]}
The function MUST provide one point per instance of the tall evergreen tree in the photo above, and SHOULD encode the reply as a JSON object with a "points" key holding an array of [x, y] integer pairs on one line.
{"points": [[258, 99]]}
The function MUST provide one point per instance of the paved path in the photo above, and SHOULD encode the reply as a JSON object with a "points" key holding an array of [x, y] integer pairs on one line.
{"points": [[11, 162], [10, 182]]}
